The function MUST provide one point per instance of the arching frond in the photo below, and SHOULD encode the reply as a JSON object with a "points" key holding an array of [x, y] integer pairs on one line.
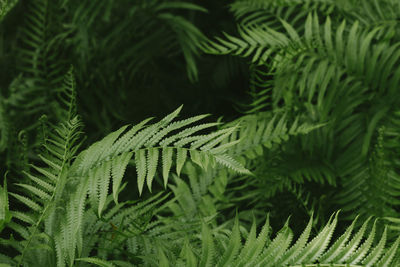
{"points": [[256, 42], [104, 162], [37, 59], [269, 13], [331, 73], [349, 249], [263, 130], [375, 185], [321, 133], [44, 190], [147, 143], [381, 15]]}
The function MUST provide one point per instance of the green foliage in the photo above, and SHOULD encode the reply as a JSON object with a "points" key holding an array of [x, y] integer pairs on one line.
{"points": [[330, 71], [5, 215], [6, 6], [316, 130], [350, 249]]}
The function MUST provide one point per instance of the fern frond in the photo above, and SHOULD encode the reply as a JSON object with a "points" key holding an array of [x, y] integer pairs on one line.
{"points": [[46, 184], [5, 214], [49, 187], [377, 14], [36, 60], [188, 35], [260, 90], [269, 13], [193, 199], [94, 168], [67, 97], [160, 26], [319, 54], [207, 253], [348, 250], [309, 67], [148, 143], [258, 43], [121, 224], [263, 130], [233, 247], [376, 182]]}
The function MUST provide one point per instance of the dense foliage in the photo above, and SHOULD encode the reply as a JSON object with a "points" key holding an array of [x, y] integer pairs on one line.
{"points": [[298, 165]]}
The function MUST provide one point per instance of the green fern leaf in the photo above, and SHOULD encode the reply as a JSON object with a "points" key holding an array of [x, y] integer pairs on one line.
{"points": [[28, 202], [316, 247], [171, 127], [297, 248], [167, 154], [254, 246], [363, 250], [118, 167], [188, 254], [390, 254], [232, 164], [277, 247], [36, 191], [152, 162], [207, 253], [187, 132], [180, 159], [352, 245], [378, 250], [337, 248], [141, 168], [103, 184], [233, 247], [5, 214]]}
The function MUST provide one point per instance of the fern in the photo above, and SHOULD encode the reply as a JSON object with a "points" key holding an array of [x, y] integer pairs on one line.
{"points": [[141, 142], [264, 130], [5, 214], [316, 129], [350, 249], [45, 190], [309, 67], [5, 130], [145, 143], [144, 36], [260, 91], [107, 159], [38, 61], [373, 14], [378, 176], [257, 41], [271, 13]]}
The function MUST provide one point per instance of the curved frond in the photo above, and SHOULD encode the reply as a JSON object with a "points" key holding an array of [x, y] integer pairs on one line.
{"points": [[162, 139], [349, 249], [45, 184]]}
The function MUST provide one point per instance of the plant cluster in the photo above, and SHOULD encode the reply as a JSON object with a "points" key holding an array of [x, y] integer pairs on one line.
{"points": [[301, 169]]}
